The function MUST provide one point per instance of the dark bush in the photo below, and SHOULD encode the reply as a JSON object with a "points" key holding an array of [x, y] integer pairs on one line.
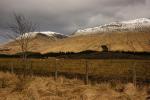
{"points": [[104, 48]]}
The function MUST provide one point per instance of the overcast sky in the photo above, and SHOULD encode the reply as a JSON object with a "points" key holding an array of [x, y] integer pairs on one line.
{"points": [[66, 16]]}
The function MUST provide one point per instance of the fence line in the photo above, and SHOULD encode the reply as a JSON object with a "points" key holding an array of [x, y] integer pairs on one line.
{"points": [[87, 70]]}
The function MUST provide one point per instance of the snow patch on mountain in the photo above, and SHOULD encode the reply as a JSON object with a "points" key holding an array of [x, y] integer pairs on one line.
{"points": [[46, 33], [137, 25]]}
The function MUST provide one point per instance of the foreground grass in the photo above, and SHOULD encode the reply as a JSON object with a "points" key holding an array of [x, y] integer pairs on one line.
{"points": [[13, 87]]}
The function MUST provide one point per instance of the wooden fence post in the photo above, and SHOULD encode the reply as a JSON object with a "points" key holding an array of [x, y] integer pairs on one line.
{"points": [[134, 74], [86, 73], [12, 68], [31, 69], [56, 70]]}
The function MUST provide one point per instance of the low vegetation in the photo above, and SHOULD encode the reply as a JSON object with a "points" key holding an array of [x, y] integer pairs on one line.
{"points": [[87, 54], [46, 88]]}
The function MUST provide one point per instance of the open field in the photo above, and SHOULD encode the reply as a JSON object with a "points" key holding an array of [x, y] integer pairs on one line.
{"points": [[13, 87], [98, 70]]}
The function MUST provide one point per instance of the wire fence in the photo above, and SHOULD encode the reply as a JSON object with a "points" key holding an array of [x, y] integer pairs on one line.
{"points": [[91, 71]]}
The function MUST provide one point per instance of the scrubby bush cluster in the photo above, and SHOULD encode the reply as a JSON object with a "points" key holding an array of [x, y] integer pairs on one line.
{"points": [[88, 54]]}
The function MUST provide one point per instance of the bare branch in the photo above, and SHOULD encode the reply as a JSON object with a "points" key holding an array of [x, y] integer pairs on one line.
{"points": [[22, 28]]}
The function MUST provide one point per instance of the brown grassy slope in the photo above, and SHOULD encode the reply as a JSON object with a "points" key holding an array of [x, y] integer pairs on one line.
{"points": [[45, 88], [36, 44], [114, 41]]}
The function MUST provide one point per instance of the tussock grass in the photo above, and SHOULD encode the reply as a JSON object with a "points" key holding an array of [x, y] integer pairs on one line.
{"points": [[45, 88]]}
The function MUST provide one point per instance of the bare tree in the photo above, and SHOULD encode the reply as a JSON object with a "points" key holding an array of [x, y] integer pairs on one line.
{"points": [[22, 28]]}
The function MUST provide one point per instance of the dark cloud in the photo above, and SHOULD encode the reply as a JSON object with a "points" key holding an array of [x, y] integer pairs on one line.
{"points": [[124, 2], [66, 16]]}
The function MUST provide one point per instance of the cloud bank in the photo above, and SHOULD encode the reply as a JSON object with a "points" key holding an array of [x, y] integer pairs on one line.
{"points": [[66, 16]]}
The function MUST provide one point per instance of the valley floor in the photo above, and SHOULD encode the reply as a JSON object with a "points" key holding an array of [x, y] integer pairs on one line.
{"points": [[13, 87]]}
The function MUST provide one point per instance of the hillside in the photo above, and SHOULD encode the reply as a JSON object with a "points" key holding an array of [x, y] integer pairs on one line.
{"points": [[38, 42], [114, 42]]}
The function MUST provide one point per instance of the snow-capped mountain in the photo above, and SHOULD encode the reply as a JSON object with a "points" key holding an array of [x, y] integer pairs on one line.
{"points": [[39, 41], [137, 25], [45, 33]]}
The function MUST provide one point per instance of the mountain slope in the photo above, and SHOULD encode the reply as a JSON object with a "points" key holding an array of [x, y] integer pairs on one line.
{"points": [[138, 42], [132, 35], [38, 41], [114, 42]]}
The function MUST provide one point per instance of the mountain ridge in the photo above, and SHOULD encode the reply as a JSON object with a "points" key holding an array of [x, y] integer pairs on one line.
{"points": [[136, 25], [45, 33], [132, 35]]}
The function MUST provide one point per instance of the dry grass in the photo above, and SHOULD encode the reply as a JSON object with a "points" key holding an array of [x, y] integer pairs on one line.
{"points": [[45, 88]]}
